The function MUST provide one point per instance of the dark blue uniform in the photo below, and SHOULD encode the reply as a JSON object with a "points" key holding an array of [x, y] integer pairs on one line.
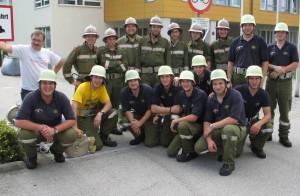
{"points": [[205, 83]]}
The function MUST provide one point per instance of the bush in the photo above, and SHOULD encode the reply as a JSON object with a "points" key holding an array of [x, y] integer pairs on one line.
{"points": [[10, 149]]}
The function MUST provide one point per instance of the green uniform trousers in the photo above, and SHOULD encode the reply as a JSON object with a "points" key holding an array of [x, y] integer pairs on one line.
{"points": [[259, 140], [188, 134], [114, 87], [280, 91], [165, 134], [149, 78], [239, 79], [230, 142], [28, 139], [108, 122], [149, 129]]}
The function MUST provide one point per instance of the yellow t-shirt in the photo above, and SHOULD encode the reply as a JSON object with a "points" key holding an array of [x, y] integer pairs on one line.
{"points": [[88, 98]]}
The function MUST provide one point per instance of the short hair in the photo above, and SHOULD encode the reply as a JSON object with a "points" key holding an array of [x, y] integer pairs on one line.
{"points": [[38, 32]]}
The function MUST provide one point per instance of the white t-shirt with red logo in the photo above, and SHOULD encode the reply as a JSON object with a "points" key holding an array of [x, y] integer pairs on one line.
{"points": [[32, 62]]}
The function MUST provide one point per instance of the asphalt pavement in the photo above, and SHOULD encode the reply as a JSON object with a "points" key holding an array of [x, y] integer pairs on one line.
{"points": [[139, 170]]}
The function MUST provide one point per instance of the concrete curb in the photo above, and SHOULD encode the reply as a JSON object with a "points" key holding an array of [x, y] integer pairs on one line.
{"points": [[12, 166]]}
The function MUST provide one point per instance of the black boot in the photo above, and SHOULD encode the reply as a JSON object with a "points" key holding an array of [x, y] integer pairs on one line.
{"points": [[106, 141], [137, 140], [285, 141], [58, 157], [31, 162], [116, 131]]}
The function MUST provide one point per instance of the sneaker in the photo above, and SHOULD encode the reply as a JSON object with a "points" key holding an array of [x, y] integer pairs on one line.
{"points": [[226, 169], [31, 162], [58, 157], [259, 153], [185, 157], [285, 141]]}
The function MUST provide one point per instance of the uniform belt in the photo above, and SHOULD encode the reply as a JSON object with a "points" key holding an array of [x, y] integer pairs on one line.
{"points": [[249, 120], [221, 66], [240, 70], [110, 76], [287, 75], [149, 69]]}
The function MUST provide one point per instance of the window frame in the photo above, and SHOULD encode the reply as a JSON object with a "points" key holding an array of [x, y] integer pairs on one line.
{"points": [[42, 3], [81, 3]]}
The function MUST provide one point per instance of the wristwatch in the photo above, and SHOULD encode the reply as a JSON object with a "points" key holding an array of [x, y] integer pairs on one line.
{"points": [[211, 125], [102, 112], [55, 130]]}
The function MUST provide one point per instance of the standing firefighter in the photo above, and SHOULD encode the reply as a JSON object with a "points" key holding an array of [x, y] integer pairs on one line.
{"points": [[130, 42], [224, 123], [179, 50], [153, 51], [92, 108], [283, 58], [220, 47], [83, 57], [256, 98], [247, 49], [40, 119], [197, 46]]}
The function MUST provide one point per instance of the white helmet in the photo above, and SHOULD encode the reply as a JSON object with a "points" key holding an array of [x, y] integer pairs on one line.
{"points": [[223, 24], [109, 33], [130, 20], [156, 20], [90, 30], [172, 26], [196, 28]]}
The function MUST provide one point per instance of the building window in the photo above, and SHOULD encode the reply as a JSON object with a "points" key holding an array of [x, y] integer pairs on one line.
{"points": [[149, 0], [289, 6], [41, 3], [268, 35], [46, 30], [269, 5], [231, 3], [80, 2], [5, 2]]}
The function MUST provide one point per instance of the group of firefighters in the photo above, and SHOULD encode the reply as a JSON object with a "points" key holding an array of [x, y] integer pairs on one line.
{"points": [[191, 98]]}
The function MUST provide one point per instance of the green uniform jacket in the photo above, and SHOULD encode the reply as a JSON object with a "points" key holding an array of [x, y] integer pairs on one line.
{"points": [[113, 61], [83, 59], [219, 51], [199, 48], [179, 55], [152, 55], [130, 48]]}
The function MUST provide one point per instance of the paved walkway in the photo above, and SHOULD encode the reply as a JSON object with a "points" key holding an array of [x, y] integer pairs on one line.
{"points": [[138, 170]]}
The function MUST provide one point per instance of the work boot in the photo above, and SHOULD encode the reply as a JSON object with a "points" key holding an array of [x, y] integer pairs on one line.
{"points": [[185, 157], [259, 153], [270, 138], [58, 157], [116, 131], [136, 141], [226, 169], [220, 158], [31, 162], [285, 141], [107, 141]]}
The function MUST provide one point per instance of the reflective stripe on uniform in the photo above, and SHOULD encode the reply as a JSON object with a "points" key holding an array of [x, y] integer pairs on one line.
{"points": [[195, 51], [284, 123], [221, 50], [86, 56], [113, 114], [67, 75], [269, 130], [128, 45], [65, 145], [230, 137], [187, 137], [123, 67], [118, 56], [177, 52], [30, 141], [106, 64], [147, 48]]}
